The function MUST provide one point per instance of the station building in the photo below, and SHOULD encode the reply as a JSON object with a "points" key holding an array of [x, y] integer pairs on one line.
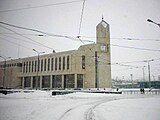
{"points": [[87, 67]]}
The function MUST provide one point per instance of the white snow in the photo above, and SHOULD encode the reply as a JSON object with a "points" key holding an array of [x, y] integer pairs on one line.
{"points": [[40, 105]]}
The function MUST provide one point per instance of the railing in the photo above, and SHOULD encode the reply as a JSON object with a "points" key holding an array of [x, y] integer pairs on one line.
{"points": [[155, 91]]}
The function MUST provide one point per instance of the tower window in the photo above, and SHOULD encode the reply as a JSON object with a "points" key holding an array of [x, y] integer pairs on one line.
{"points": [[67, 62], [83, 62]]}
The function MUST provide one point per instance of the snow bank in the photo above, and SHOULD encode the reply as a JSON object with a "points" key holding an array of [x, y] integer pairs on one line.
{"points": [[130, 109], [40, 105]]}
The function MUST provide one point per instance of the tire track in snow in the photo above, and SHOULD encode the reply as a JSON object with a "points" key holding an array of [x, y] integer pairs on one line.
{"points": [[64, 114], [90, 113], [73, 109]]}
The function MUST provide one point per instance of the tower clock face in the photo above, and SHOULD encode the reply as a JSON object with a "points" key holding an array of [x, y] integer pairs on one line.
{"points": [[104, 24], [103, 48]]}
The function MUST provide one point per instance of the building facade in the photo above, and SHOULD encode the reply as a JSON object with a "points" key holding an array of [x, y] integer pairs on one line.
{"points": [[87, 67], [9, 71]]}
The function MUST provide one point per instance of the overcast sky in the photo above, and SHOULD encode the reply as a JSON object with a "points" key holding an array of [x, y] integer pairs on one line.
{"points": [[127, 19]]}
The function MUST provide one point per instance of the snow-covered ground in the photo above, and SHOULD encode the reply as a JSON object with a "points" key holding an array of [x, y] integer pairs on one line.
{"points": [[40, 105]]}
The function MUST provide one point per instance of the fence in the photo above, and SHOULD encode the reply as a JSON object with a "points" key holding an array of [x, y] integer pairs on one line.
{"points": [[141, 92]]}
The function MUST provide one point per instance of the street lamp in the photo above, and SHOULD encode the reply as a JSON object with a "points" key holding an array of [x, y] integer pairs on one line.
{"points": [[153, 22], [149, 75], [4, 76], [37, 66]]}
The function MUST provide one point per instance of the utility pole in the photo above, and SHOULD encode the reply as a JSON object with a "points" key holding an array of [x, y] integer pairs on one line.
{"points": [[143, 73], [149, 72], [96, 71]]}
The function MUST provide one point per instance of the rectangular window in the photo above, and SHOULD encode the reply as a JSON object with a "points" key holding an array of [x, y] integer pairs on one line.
{"points": [[69, 81], [29, 66], [35, 66], [52, 63], [83, 62], [32, 65], [38, 64], [64, 63], [45, 65], [56, 64], [18, 65], [26, 66], [48, 64], [42, 65], [59, 63], [79, 81], [67, 62]]}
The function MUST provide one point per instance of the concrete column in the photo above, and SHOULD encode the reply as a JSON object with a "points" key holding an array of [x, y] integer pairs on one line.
{"points": [[40, 82], [22, 82], [62, 81], [31, 82], [50, 81], [75, 81]]}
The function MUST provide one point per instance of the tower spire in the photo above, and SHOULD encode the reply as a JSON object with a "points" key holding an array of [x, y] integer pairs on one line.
{"points": [[102, 17]]}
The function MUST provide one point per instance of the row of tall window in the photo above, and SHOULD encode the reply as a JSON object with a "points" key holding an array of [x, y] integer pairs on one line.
{"points": [[47, 64], [69, 81], [11, 65]]}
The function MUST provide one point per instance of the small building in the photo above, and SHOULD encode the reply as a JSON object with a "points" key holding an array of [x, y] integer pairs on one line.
{"points": [[87, 67], [151, 84]]}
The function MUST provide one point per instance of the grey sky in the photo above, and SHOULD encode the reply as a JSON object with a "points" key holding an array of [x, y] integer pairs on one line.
{"points": [[127, 19]]}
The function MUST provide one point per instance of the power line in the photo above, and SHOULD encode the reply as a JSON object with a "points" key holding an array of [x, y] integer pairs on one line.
{"points": [[155, 59], [81, 18], [15, 43], [8, 33], [44, 33], [27, 37], [137, 39], [41, 6], [127, 39], [135, 48], [31, 42]]}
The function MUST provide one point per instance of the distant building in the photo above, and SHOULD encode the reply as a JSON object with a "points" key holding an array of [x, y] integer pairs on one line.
{"points": [[87, 67]]}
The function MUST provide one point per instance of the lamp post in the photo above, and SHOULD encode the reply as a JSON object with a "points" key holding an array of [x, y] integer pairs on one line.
{"points": [[4, 76], [153, 22], [149, 72], [38, 53]]}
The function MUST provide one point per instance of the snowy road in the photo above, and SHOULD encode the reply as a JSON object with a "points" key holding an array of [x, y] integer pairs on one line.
{"points": [[78, 106]]}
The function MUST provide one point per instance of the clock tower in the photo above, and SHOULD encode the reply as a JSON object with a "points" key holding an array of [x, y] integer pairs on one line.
{"points": [[103, 42]]}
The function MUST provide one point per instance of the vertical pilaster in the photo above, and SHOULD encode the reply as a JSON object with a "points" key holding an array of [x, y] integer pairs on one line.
{"points": [[62, 81], [40, 82], [22, 82], [31, 82], [50, 81], [75, 81]]}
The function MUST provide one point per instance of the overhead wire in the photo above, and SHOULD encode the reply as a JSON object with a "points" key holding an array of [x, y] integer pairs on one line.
{"points": [[15, 43], [44, 33], [32, 42], [138, 39], [40, 6], [127, 39], [26, 37], [81, 18], [135, 48], [72, 38]]}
